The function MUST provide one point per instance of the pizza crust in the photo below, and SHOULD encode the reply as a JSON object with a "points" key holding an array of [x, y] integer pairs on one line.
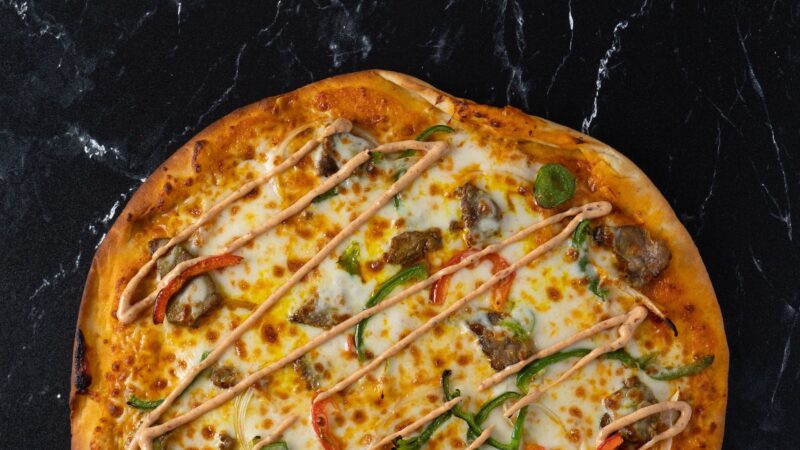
{"points": [[116, 258]]}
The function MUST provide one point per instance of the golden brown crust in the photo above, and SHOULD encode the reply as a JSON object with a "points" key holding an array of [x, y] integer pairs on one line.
{"points": [[684, 290]]}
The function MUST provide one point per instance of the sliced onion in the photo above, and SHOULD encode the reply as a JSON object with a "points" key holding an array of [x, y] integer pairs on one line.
{"points": [[667, 445], [240, 405], [364, 134], [281, 149], [552, 416]]}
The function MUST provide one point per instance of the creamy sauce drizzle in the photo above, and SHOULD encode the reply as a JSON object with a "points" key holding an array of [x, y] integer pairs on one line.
{"points": [[433, 152], [480, 440], [419, 423], [630, 322], [595, 209], [127, 312], [277, 433], [590, 211], [685, 415]]}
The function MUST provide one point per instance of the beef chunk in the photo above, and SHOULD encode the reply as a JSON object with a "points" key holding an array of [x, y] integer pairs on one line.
{"points": [[642, 258], [411, 246], [326, 163], [480, 214], [226, 442], [305, 369], [315, 313], [633, 395], [196, 298], [499, 344], [225, 376]]}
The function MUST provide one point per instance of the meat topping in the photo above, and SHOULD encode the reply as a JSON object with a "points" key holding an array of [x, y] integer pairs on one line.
{"points": [[641, 257], [315, 313], [411, 246], [306, 371], [499, 344], [226, 442], [633, 396], [225, 376], [326, 163], [196, 298], [480, 214]]}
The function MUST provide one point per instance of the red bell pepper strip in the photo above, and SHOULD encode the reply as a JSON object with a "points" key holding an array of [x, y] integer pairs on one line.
{"points": [[611, 443], [206, 265], [499, 293], [351, 344], [533, 447], [322, 425]]}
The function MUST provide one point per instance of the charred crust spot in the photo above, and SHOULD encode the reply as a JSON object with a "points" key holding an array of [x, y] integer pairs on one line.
{"points": [[198, 147], [82, 377]]}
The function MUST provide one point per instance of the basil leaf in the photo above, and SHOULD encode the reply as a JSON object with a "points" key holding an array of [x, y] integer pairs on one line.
{"points": [[554, 185]]}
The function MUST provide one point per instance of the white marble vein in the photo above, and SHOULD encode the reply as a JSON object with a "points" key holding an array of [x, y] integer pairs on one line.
{"points": [[602, 67], [571, 23], [781, 212]]}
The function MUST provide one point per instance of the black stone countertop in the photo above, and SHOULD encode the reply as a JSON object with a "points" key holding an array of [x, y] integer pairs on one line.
{"points": [[701, 95]]}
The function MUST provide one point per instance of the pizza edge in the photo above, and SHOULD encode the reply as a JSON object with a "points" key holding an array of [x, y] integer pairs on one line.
{"points": [[96, 317]]}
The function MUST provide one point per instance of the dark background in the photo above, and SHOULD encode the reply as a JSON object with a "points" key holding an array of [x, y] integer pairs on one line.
{"points": [[701, 95]]}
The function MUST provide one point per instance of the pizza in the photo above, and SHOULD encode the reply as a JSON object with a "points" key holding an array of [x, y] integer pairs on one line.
{"points": [[369, 262]]}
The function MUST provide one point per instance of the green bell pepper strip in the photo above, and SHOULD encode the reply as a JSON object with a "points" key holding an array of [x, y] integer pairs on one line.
{"points": [[581, 231], [515, 328], [349, 259], [325, 195], [416, 272], [683, 371], [434, 129], [534, 367], [473, 427], [144, 405], [578, 242], [425, 135], [279, 445], [594, 286], [396, 197], [492, 404], [525, 375], [416, 442], [488, 407]]}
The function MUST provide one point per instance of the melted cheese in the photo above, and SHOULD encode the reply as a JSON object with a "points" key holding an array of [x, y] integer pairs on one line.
{"points": [[550, 291]]}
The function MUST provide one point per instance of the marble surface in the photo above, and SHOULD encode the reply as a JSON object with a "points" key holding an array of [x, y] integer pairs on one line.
{"points": [[701, 95]]}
